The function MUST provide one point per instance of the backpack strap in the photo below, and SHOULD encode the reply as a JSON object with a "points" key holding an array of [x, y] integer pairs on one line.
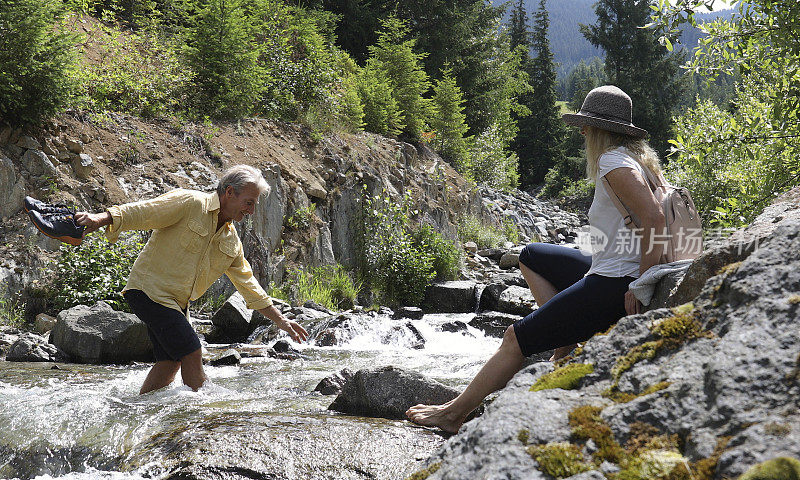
{"points": [[631, 221]]}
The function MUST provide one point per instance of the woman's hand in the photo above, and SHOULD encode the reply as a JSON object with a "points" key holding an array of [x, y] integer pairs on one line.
{"points": [[632, 304], [294, 329]]}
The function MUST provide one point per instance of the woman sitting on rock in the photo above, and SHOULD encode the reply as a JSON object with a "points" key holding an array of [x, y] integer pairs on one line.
{"points": [[578, 295]]}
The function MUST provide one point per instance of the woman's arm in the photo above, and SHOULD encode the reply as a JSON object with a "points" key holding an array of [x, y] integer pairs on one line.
{"points": [[632, 189]]}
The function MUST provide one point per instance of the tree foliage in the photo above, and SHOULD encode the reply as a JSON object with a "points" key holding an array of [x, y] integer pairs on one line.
{"points": [[222, 55], [738, 160], [539, 142], [448, 121], [638, 64], [37, 58]]}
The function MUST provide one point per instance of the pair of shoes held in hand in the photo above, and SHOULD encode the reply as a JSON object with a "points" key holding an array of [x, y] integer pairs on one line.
{"points": [[55, 220]]}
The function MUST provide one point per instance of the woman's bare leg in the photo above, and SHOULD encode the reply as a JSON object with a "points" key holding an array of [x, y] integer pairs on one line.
{"points": [[503, 365], [543, 291]]}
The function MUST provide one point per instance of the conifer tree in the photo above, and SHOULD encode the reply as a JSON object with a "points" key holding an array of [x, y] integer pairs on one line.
{"points": [[638, 64], [539, 142], [393, 58], [35, 61], [449, 121], [222, 56]]}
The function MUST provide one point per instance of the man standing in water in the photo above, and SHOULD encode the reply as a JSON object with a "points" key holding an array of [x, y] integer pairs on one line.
{"points": [[192, 245]]}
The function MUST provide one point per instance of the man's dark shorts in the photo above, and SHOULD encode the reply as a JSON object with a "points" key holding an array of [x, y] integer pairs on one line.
{"points": [[172, 336]]}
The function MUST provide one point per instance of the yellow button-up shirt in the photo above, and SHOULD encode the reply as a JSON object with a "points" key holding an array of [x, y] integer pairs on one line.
{"points": [[185, 253]]}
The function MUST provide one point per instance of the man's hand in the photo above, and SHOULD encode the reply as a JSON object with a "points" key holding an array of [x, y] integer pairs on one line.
{"points": [[632, 304], [92, 221], [294, 329]]}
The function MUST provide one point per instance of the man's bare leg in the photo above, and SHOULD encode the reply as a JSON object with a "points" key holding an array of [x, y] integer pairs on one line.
{"points": [[192, 370], [161, 375], [493, 376], [543, 291]]}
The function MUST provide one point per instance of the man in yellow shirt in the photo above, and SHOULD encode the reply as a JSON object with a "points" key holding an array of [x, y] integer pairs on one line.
{"points": [[192, 245]]}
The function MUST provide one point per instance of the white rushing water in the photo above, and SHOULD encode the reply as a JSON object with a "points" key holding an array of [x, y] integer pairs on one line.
{"points": [[85, 421]]}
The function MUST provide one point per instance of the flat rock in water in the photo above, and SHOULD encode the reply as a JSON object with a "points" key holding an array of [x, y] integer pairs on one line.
{"points": [[450, 297], [412, 313], [387, 392], [494, 324], [33, 348], [99, 334], [228, 357]]}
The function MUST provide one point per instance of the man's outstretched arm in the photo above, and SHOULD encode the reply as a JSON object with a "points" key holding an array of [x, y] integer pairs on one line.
{"points": [[93, 221], [294, 329]]}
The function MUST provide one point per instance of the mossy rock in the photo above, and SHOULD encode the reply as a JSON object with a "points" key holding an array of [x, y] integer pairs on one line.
{"points": [[567, 377], [425, 472], [559, 459], [781, 468]]}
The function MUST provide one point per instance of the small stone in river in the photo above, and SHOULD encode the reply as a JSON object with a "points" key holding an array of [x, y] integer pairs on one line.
{"points": [[228, 357]]}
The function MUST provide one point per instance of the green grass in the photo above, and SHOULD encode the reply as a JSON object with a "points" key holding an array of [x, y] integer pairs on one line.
{"points": [[564, 107]]}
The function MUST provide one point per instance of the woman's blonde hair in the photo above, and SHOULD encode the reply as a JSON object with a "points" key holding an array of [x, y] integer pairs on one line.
{"points": [[599, 141]]}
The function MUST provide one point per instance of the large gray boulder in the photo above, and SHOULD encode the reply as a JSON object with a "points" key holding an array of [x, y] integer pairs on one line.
{"points": [[450, 297], [387, 392], [715, 381], [99, 334], [34, 348]]}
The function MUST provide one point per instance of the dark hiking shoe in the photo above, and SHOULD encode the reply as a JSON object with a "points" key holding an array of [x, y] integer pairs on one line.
{"points": [[46, 208], [59, 226]]}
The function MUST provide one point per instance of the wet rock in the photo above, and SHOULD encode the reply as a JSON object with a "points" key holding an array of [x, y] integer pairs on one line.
{"points": [[412, 313], [454, 326], [33, 348], [327, 338], [99, 334], [387, 392], [235, 320], [282, 346], [516, 301], [494, 324], [450, 297], [44, 323], [228, 357], [332, 384], [419, 341], [316, 306]]}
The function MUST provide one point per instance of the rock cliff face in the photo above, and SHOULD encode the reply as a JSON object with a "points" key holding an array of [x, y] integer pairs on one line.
{"points": [[704, 390], [310, 217]]}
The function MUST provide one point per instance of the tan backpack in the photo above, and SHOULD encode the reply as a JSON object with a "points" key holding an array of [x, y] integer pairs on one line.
{"points": [[684, 231]]}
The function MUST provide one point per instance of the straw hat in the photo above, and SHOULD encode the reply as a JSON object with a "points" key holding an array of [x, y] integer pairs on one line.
{"points": [[609, 108]]}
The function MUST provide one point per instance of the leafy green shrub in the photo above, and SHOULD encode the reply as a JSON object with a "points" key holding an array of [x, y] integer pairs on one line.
{"points": [[136, 73], [566, 183], [36, 60], [393, 265], [97, 270], [446, 255], [473, 229], [12, 313], [330, 286]]}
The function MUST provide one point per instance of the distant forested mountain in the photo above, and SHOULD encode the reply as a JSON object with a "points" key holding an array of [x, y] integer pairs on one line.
{"points": [[570, 47]]}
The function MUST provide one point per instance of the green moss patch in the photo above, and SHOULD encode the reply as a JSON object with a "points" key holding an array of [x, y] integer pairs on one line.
{"points": [[793, 300], [613, 393], [559, 460], [587, 424], [781, 468], [729, 268], [703, 469], [524, 436], [567, 377], [425, 472]]}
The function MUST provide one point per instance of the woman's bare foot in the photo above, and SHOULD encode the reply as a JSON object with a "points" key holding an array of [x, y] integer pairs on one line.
{"points": [[440, 416], [562, 352]]}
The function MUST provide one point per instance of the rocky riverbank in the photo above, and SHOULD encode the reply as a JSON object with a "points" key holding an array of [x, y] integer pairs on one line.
{"points": [[705, 390]]}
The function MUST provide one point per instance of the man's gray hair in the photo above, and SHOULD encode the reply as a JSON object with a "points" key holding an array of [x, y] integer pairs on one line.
{"points": [[239, 176]]}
